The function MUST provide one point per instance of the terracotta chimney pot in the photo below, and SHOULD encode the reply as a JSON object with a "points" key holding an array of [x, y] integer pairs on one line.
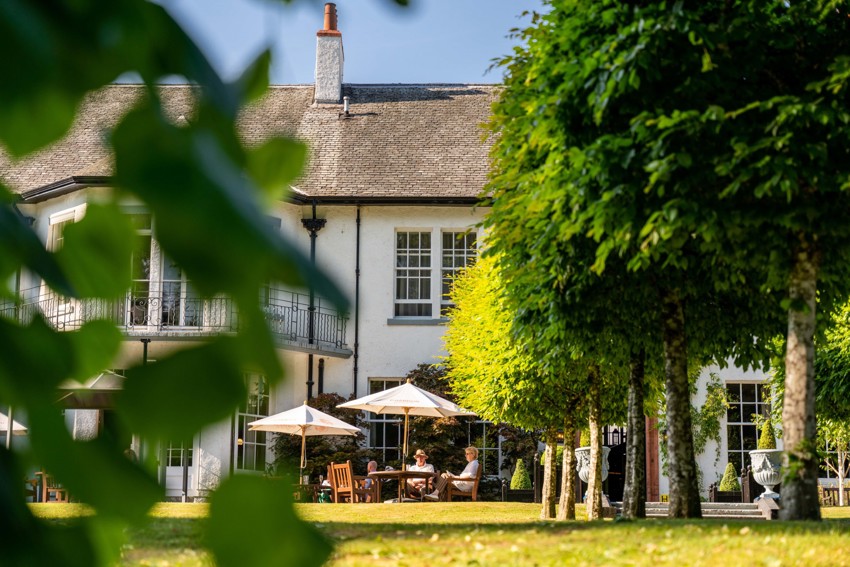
{"points": [[330, 21]]}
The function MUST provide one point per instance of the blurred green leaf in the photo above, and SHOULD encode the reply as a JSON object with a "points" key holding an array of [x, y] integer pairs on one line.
{"points": [[19, 246], [247, 510], [33, 360], [94, 345], [161, 400], [26, 541], [276, 164], [255, 80], [96, 252], [95, 471], [186, 170]]}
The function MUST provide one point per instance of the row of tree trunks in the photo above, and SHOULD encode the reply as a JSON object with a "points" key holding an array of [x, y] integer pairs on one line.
{"points": [[634, 491], [594, 479], [550, 478], [800, 463], [567, 503], [681, 465]]}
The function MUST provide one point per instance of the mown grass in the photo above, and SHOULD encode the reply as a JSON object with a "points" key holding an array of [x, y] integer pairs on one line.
{"points": [[488, 533]]}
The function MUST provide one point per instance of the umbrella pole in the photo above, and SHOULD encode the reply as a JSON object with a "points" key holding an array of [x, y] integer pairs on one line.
{"points": [[10, 427], [303, 455], [404, 455]]}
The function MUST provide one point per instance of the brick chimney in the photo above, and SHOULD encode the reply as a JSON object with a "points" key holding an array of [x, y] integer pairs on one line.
{"points": [[329, 60]]}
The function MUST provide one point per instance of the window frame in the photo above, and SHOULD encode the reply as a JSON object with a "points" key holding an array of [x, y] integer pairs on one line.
{"points": [[744, 421], [383, 421], [247, 443]]}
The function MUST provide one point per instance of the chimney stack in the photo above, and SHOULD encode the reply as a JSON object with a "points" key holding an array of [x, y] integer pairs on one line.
{"points": [[329, 60]]}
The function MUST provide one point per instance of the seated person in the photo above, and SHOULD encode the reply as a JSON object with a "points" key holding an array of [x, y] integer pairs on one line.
{"points": [[416, 485], [471, 471], [369, 482]]}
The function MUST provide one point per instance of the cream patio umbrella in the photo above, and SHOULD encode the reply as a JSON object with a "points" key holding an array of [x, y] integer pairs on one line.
{"points": [[304, 421], [17, 428], [408, 400]]}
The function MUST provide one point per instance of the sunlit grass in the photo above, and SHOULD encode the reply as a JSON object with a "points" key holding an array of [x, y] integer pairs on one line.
{"points": [[492, 533]]}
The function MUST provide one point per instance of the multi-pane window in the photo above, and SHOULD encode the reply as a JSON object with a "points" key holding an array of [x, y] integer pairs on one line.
{"points": [[181, 305], [385, 431], [251, 446], [57, 234], [459, 250], [484, 436], [140, 268], [413, 274], [745, 400], [176, 452]]}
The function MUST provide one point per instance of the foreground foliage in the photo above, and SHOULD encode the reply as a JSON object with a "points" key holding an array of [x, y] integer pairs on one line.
{"points": [[502, 534]]}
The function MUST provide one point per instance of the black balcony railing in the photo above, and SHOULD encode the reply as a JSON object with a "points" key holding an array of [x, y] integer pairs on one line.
{"points": [[178, 312]]}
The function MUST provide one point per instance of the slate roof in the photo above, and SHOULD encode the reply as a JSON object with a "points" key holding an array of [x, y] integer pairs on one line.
{"points": [[399, 142]]}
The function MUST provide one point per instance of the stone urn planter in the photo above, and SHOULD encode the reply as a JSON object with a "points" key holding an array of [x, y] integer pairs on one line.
{"points": [[766, 470], [583, 463]]}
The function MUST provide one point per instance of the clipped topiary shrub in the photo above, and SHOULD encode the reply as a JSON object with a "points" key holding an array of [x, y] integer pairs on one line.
{"points": [[729, 482], [767, 440], [584, 438], [520, 480]]}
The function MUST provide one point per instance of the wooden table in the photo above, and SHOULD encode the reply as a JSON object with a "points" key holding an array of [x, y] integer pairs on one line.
{"points": [[401, 477]]}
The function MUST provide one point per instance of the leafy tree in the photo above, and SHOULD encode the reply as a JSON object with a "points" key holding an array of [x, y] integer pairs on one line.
{"points": [[613, 128], [835, 435], [494, 375], [324, 449], [520, 479], [729, 482], [63, 51]]}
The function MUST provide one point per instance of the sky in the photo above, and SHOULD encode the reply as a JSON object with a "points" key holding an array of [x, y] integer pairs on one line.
{"points": [[430, 41]]}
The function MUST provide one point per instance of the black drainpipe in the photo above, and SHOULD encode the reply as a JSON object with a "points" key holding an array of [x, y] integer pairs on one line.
{"points": [[313, 226], [321, 376], [357, 302]]}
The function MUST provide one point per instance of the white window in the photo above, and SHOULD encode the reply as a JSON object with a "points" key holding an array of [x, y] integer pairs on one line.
{"points": [[177, 454], [181, 304], [59, 222], [417, 292], [140, 269], [459, 251], [413, 274], [745, 400], [385, 430], [251, 446], [484, 436]]}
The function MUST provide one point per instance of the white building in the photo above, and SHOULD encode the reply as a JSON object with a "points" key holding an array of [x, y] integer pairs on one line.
{"points": [[387, 202]]}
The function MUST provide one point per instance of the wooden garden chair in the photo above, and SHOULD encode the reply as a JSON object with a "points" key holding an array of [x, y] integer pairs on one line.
{"points": [[452, 490], [343, 485]]}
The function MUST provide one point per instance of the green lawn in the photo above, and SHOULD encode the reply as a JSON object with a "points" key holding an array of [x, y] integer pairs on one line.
{"points": [[502, 534]]}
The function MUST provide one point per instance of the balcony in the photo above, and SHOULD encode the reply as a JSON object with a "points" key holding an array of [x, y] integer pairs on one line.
{"points": [[178, 314]]}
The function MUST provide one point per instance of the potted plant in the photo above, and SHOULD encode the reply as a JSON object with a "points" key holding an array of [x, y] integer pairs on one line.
{"points": [[729, 489], [520, 487], [583, 458], [766, 461]]}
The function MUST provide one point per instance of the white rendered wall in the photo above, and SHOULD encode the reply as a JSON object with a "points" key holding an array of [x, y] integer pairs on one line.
{"points": [[711, 467]]}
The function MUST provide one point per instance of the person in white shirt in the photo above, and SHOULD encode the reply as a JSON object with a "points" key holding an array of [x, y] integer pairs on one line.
{"points": [[471, 471], [415, 485]]}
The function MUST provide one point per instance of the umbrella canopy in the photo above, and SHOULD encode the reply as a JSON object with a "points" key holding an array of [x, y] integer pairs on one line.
{"points": [[407, 400], [17, 428], [304, 421], [98, 392]]}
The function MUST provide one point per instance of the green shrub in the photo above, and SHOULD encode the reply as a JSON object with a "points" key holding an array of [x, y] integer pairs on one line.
{"points": [[767, 439], [584, 438], [520, 480], [729, 482]]}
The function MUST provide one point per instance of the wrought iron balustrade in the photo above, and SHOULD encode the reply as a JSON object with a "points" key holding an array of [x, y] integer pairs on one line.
{"points": [[288, 314]]}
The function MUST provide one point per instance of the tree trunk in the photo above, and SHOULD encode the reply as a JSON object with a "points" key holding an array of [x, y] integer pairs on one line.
{"points": [[842, 470], [800, 463], [567, 504], [594, 479], [684, 488], [550, 478], [634, 492]]}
